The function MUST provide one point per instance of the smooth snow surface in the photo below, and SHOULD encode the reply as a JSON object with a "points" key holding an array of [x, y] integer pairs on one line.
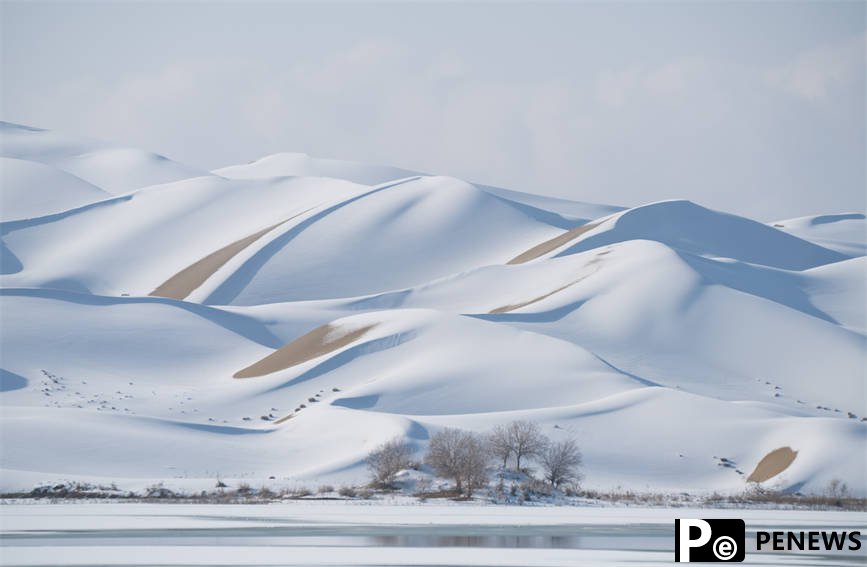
{"points": [[664, 338], [377, 534]]}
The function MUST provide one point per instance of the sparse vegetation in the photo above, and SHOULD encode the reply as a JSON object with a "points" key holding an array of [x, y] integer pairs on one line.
{"points": [[389, 459], [500, 445], [460, 455], [835, 497], [525, 441], [561, 462], [158, 491], [463, 457], [299, 492], [837, 489]]}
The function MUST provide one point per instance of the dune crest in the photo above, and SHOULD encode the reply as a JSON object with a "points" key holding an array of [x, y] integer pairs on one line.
{"points": [[316, 343], [182, 284], [514, 306], [552, 244]]}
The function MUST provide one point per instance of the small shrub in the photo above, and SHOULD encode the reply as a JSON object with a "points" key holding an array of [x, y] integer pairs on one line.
{"points": [[837, 489], [325, 489], [158, 491], [302, 492], [533, 488], [561, 462], [423, 484], [347, 492], [389, 459]]}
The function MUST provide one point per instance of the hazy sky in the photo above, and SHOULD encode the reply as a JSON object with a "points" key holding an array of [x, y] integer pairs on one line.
{"points": [[755, 108]]}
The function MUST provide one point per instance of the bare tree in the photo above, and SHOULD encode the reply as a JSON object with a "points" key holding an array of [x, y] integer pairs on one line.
{"points": [[499, 444], [460, 455], [561, 462], [389, 459], [525, 440]]}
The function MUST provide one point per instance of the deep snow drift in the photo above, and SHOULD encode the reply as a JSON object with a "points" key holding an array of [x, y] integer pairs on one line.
{"points": [[165, 324]]}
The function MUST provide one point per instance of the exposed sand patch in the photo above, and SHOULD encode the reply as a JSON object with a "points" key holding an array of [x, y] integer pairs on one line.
{"points": [[182, 284], [507, 308], [773, 464], [553, 244], [317, 342]]}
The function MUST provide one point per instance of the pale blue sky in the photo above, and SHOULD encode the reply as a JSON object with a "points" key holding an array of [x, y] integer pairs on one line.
{"points": [[755, 108]]}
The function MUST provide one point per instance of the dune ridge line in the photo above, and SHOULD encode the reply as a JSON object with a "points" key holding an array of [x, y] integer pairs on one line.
{"points": [[552, 244], [513, 307], [321, 340], [183, 283]]}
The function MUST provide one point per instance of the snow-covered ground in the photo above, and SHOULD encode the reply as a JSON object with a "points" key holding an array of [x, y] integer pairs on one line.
{"points": [[677, 344], [376, 534]]}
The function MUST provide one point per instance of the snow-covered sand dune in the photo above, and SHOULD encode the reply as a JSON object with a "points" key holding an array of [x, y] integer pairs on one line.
{"points": [[113, 169], [32, 189], [281, 318]]}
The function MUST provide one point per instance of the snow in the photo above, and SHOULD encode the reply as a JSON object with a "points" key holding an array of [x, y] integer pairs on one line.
{"points": [[31, 189], [845, 232], [664, 338], [113, 169], [396, 235], [289, 164], [689, 227]]}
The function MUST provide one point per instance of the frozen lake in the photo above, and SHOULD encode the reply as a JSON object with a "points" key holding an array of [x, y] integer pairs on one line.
{"points": [[330, 533]]}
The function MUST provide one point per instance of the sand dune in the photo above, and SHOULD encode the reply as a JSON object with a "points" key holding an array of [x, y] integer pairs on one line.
{"points": [[553, 244], [30, 189], [513, 307], [180, 285], [317, 342], [773, 464], [691, 316]]}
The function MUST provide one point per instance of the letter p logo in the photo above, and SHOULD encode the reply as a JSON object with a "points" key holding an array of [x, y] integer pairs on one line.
{"points": [[683, 540]]}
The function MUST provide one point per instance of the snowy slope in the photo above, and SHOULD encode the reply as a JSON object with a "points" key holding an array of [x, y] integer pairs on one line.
{"points": [[113, 169], [284, 317], [301, 165], [846, 233], [148, 236], [31, 189], [396, 235], [683, 225]]}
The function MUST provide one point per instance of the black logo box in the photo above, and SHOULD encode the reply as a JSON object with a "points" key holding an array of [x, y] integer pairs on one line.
{"points": [[726, 544]]}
